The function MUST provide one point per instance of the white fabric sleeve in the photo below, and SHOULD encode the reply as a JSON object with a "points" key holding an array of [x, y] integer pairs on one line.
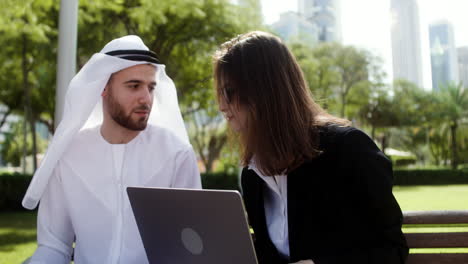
{"points": [[187, 174], [55, 234]]}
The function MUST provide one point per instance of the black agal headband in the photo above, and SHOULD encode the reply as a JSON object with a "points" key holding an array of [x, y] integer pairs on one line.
{"points": [[135, 55]]}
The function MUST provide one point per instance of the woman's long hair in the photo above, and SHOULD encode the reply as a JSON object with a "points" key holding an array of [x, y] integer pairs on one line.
{"points": [[257, 73]]}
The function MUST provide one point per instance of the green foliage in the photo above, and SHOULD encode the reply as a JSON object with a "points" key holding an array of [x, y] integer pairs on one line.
{"points": [[318, 65], [453, 110], [454, 102], [28, 29], [13, 144], [338, 76], [184, 33], [17, 20]]}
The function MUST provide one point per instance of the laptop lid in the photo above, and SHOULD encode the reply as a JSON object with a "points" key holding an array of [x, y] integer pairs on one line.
{"points": [[192, 226]]}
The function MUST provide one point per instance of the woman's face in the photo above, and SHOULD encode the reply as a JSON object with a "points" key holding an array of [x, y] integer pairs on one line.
{"points": [[235, 115]]}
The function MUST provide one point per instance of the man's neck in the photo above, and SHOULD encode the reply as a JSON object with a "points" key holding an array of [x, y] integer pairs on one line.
{"points": [[116, 134]]}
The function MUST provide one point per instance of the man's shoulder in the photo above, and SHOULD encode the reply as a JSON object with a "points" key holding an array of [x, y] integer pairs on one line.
{"points": [[84, 144], [87, 133], [85, 137], [160, 136]]}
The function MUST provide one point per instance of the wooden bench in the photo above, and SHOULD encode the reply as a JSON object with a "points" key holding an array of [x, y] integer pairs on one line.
{"points": [[436, 240]]}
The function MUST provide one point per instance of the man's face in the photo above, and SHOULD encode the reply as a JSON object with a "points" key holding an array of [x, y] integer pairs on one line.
{"points": [[128, 96]]}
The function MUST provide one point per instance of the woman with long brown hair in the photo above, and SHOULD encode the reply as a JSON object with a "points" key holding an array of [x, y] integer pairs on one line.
{"points": [[316, 189]]}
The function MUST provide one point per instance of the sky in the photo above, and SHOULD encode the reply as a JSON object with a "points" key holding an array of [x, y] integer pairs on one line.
{"points": [[366, 24]]}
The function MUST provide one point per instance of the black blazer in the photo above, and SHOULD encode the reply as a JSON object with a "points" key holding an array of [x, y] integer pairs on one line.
{"points": [[340, 205]]}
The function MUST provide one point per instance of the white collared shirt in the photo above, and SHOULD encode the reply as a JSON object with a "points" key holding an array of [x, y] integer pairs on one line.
{"points": [[86, 197], [275, 198]]}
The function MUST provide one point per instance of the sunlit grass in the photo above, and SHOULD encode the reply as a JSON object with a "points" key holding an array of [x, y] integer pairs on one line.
{"points": [[17, 236], [439, 197]]}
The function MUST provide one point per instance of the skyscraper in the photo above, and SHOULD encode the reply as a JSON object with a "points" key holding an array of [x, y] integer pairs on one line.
{"points": [[443, 54], [462, 53], [326, 15], [292, 25], [406, 41]]}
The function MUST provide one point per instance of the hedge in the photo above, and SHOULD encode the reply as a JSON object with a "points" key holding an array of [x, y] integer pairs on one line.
{"points": [[220, 180], [13, 186], [405, 177], [12, 189]]}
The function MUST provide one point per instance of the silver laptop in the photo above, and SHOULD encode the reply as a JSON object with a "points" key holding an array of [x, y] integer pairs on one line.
{"points": [[187, 226]]}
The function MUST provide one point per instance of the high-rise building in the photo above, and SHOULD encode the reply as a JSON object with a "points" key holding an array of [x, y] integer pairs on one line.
{"points": [[443, 54], [462, 54], [292, 25], [406, 41], [326, 15]]}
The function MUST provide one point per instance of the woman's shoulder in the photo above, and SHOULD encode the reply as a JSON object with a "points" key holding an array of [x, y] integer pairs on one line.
{"points": [[348, 137]]}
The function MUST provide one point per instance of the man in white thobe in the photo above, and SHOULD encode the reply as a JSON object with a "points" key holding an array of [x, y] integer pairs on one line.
{"points": [[96, 154]]}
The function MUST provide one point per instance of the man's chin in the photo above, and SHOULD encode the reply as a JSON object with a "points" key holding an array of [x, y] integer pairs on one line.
{"points": [[137, 126]]}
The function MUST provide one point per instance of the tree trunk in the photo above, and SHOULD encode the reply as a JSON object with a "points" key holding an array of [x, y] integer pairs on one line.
{"points": [[28, 108], [453, 130], [4, 118], [215, 146], [384, 143], [343, 105], [435, 154], [25, 140], [32, 125]]}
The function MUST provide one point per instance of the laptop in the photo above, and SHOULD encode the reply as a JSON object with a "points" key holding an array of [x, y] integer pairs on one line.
{"points": [[187, 226]]}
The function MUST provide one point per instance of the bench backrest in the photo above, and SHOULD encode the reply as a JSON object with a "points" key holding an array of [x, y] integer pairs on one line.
{"points": [[436, 240]]}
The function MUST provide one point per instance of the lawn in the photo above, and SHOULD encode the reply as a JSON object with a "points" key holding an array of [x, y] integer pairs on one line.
{"points": [[17, 236], [440, 197], [18, 230]]}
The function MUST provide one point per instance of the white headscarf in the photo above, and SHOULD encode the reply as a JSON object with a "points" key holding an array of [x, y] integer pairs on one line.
{"points": [[83, 107]]}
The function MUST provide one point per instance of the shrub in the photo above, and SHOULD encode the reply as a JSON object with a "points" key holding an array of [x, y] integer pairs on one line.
{"points": [[220, 180], [12, 189], [430, 176]]}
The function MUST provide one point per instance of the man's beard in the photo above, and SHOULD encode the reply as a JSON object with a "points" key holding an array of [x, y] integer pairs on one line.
{"points": [[117, 113]]}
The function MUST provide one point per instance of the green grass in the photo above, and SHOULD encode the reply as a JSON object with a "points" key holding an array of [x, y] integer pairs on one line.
{"points": [[18, 229], [438, 197], [17, 236]]}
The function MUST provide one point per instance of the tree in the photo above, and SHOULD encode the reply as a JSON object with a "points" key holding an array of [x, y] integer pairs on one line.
{"points": [[184, 34], [454, 109], [318, 66], [334, 71], [353, 68], [13, 145], [30, 32], [208, 134]]}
